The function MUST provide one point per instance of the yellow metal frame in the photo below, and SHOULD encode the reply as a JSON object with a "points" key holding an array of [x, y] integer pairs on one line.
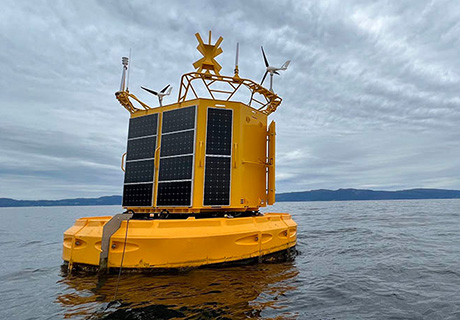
{"points": [[271, 163], [206, 66], [209, 52], [271, 103], [123, 98]]}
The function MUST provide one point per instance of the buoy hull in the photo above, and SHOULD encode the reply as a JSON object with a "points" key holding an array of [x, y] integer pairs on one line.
{"points": [[180, 243]]}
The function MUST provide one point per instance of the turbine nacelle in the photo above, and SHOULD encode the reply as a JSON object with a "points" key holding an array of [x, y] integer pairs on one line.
{"points": [[275, 69], [166, 91]]}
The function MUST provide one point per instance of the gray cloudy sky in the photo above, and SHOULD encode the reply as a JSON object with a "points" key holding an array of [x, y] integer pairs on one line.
{"points": [[371, 99]]}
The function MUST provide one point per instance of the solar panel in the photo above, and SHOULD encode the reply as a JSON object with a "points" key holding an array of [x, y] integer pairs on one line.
{"points": [[141, 148], [174, 193], [178, 143], [178, 120], [218, 157], [177, 168], [176, 157], [143, 126], [139, 171], [140, 165], [219, 132], [217, 181], [138, 195]]}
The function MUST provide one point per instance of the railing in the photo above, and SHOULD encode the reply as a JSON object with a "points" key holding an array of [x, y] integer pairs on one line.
{"points": [[272, 101]]}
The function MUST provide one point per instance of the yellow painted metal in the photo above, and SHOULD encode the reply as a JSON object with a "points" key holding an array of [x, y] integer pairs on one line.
{"points": [[123, 157], [123, 98], [177, 243], [248, 189], [209, 52], [271, 162], [233, 84]]}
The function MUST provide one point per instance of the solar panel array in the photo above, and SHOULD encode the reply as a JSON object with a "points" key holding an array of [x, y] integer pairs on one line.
{"points": [[218, 157], [176, 162], [176, 157], [140, 162]]}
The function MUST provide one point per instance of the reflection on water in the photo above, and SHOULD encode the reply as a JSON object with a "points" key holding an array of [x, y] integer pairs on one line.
{"points": [[249, 291]]}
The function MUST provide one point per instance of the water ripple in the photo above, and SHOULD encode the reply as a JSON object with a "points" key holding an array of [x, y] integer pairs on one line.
{"points": [[359, 260]]}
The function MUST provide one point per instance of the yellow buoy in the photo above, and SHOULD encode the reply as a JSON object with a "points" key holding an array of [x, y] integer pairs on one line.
{"points": [[196, 174]]}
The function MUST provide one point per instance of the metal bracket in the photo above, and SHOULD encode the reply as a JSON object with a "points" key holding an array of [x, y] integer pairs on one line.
{"points": [[109, 229]]}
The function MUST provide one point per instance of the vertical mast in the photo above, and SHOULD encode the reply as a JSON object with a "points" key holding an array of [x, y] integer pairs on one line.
{"points": [[129, 71], [236, 60], [124, 62]]}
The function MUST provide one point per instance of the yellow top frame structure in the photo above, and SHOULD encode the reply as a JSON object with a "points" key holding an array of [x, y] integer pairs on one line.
{"points": [[267, 105]]}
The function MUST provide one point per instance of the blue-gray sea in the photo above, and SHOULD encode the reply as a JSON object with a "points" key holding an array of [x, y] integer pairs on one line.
{"points": [[358, 260]]}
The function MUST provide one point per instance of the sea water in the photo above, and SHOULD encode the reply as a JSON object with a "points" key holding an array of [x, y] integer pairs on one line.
{"points": [[357, 260]]}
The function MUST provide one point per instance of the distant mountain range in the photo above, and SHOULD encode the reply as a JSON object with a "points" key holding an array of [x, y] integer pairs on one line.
{"points": [[313, 195], [102, 201], [360, 194]]}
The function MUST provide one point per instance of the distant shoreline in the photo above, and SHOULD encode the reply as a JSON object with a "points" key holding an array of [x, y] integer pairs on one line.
{"points": [[313, 195]]}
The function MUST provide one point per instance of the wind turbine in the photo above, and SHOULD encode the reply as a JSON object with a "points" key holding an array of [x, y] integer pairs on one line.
{"points": [[164, 92], [272, 70]]}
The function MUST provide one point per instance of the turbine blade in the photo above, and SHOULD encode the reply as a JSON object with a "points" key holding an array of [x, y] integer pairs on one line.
{"points": [[151, 91], [285, 65], [164, 89], [265, 57], [276, 72], [169, 91], [265, 75]]}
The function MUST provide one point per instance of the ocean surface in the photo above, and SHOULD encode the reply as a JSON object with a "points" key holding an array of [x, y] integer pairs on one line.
{"points": [[358, 260]]}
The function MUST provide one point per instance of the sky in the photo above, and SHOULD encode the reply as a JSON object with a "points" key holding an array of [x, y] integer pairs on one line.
{"points": [[371, 98]]}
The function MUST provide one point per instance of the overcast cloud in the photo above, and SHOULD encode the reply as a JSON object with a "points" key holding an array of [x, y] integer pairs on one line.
{"points": [[371, 99]]}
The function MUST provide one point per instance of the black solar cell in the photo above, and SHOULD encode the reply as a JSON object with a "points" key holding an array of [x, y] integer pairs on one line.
{"points": [[142, 137], [142, 148], [178, 120], [143, 126], [139, 171], [217, 181], [177, 168], [177, 143], [137, 195], [174, 193], [219, 132]]}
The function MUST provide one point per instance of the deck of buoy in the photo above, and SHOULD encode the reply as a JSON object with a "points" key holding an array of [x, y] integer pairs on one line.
{"points": [[179, 243]]}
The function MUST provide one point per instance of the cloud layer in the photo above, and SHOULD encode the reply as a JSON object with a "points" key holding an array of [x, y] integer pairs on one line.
{"points": [[370, 100]]}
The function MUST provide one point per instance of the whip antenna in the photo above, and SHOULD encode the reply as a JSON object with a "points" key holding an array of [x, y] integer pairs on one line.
{"points": [[236, 60], [127, 81]]}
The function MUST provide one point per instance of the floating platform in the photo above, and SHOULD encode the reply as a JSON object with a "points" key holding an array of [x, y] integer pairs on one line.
{"points": [[179, 243], [196, 173]]}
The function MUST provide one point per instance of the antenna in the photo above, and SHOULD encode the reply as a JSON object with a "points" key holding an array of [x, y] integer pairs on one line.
{"points": [[272, 70], [236, 60], [124, 62], [127, 81]]}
